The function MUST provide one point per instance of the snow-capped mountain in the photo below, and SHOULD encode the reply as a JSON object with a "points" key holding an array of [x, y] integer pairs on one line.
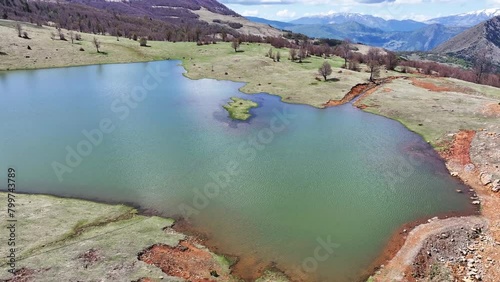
{"points": [[467, 19], [367, 20]]}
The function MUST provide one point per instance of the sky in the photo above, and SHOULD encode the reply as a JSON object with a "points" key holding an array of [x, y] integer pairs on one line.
{"points": [[420, 10]]}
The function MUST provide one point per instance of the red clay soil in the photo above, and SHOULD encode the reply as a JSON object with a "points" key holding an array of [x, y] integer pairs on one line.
{"points": [[492, 110], [459, 150], [186, 261], [419, 82], [353, 93]]}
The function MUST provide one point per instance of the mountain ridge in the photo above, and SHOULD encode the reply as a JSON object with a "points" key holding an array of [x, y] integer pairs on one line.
{"points": [[484, 37]]}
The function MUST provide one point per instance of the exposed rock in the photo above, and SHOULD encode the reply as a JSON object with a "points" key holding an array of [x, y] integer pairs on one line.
{"points": [[486, 178], [454, 173], [469, 167], [496, 186]]}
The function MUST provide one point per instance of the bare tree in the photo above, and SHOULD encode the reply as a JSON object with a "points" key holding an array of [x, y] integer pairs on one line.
{"points": [[325, 70], [97, 44], [482, 63], [278, 56], [293, 54], [19, 29], [302, 53], [143, 41], [72, 36], [235, 44], [391, 61], [270, 53], [345, 50], [374, 60], [61, 34], [353, 65]]}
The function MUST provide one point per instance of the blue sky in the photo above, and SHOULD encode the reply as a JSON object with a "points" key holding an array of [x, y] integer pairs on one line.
{"points": [[285, 10]]}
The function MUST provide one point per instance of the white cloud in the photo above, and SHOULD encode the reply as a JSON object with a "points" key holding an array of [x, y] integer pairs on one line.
{"points": [[285, 14], [250, 13]]}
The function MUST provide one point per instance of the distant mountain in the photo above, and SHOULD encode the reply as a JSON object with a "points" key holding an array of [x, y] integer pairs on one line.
{"points": [[275, 24], [467, 19], [482, 37], [367, 20], [424, 39]]}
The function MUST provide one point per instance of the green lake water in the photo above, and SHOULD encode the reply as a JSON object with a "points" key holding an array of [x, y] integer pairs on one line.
{"points": [[275, 188]]}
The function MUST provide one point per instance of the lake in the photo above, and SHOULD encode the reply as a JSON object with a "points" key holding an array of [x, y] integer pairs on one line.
{"points": [[317, 192]]}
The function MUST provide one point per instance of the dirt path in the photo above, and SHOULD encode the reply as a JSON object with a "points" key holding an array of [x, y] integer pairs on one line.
{"points": [[397, 269]]}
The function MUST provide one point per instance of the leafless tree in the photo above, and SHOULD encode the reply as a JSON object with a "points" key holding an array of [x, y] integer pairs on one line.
{"points": [[19, 29], [391, 61], [293, 54], [270, 53], [482, 63], [61, 34], [143, 41], [353, 65], [278, 56], [235, 44], [97, 44], [345, 50], [72, 36], [374, 60], [302, 53], [325, 70]]}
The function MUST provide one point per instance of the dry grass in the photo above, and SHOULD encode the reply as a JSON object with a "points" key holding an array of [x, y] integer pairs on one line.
{"points": [[435, 115]]}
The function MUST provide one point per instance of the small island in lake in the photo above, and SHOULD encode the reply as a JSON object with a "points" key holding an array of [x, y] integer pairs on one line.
{"points": [[239, 108]]}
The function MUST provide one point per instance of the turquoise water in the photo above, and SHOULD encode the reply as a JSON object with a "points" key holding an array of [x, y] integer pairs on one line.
{"points": [[276, 188]]}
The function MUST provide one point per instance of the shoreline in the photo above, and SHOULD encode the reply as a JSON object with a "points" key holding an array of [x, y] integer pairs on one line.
{"points": [[397, 240]]}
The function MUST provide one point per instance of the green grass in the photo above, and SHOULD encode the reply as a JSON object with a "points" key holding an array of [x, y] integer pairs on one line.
{"points": [[239, 108]]}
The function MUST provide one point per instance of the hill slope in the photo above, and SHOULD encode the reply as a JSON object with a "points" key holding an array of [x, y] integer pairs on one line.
{"points": [[186, 20], [484, 36]]}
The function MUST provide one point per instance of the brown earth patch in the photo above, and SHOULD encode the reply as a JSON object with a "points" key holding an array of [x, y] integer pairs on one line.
{"points": [[24, 275], [492, 110], [446, 87], [353, 93], [186, 260], [459, 149]]}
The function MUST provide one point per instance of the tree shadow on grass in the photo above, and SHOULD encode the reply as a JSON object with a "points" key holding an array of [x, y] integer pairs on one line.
{"points": [[333, 79], [240, 51], [102, 53]]}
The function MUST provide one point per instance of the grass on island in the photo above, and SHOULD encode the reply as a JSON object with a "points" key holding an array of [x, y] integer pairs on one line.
{"points": [[239, 108]]}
